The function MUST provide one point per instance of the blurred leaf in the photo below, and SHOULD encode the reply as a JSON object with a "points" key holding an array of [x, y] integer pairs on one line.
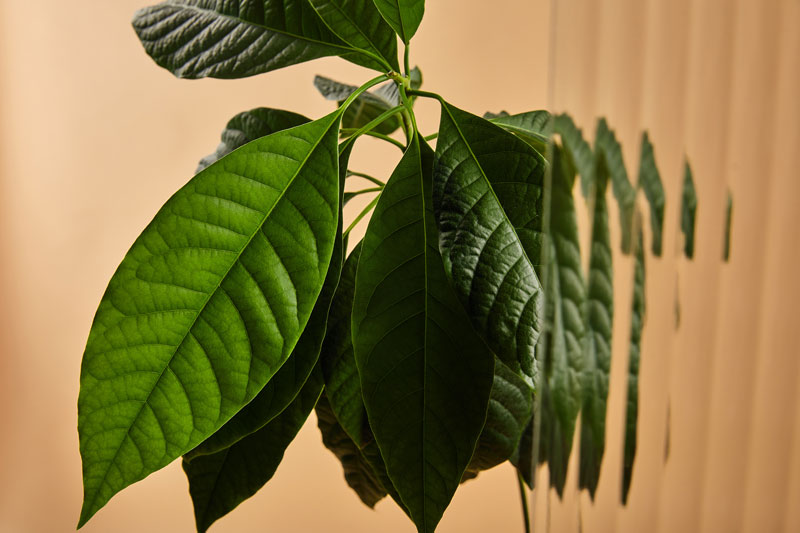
{"points": [[578, 150], [650, 182], [609, 152], [688, 211], [726, 250]]}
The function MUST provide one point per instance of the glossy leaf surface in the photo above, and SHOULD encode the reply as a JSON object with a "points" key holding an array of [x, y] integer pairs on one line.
{"points": [[357, 471], [609, 151], [637, 324], [425, 375], [207, 305], [359, 23], [599, 317], [239, 38], [279, 392], [488, 198], [404, 16], [650, 183], [366, 107], [250, 125], [221, 481]]}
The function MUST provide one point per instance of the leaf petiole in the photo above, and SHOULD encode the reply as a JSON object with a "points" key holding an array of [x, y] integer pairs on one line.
{"points": [[370, 125], [352, 131], [361, 215], [376, 181]]}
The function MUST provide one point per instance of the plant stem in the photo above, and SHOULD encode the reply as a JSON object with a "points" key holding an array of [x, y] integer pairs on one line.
{"points": [[370, 125], [376, 181], [361, 215], [405, 61], [425, 94], [431, 137], [524, 500], [350, 131]]}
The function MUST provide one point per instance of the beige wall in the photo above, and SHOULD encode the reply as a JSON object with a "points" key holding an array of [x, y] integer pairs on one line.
{"points": [[94, 137]]}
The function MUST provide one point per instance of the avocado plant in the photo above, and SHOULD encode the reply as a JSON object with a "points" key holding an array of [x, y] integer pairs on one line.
{"points": [[459, 334]]}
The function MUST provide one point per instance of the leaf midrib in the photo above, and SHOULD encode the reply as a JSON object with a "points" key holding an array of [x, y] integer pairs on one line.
{"points": [[356, 26], [202, 308]]}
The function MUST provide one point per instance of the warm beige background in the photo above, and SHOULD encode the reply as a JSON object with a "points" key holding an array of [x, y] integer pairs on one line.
{"points": [[94, 137]]}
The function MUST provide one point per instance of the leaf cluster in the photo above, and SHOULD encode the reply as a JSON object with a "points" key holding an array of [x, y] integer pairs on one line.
{"points": [[460, 333]]}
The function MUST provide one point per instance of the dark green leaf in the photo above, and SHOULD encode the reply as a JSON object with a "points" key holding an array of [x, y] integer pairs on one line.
{"points": [[250, 125], [688, 210], [566, 296], [207, 305], [366, 107], [510, 408], [358, 23], [236, 39], [650, 182], [357, 471], [342, 385], [726, 250], [609, 152], [533, 127], [599, 316], [425, 374], [287, 382], [637, 323], [522, 457], [577, 149], [403, 16], [488, 196], [221, 481]]}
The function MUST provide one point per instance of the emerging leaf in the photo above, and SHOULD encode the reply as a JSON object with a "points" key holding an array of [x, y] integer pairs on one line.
{"points": [[221, 481], [236, 39], [404, 16], [487, 192], [207, 305], [425, 375]]}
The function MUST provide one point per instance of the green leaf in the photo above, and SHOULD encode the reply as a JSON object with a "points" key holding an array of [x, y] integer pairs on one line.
{"points": [[578, 150], [425, 375], [403, 16], [650, 182], [221, 481], [342, 384], [522, 457], [566, 296], [357, 471], [248, 126], [599, 317], [488, 198], [236, 39], [609, 151], [358, 23], [688, 210], [726, 249], [279, 392], [207, 305], [416, 78], [533, 127], [637, 323], [510, 409], [366, 107]]}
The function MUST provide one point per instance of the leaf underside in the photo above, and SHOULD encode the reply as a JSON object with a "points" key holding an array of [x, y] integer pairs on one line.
{"points": [[207, 305], [426, 377]]}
